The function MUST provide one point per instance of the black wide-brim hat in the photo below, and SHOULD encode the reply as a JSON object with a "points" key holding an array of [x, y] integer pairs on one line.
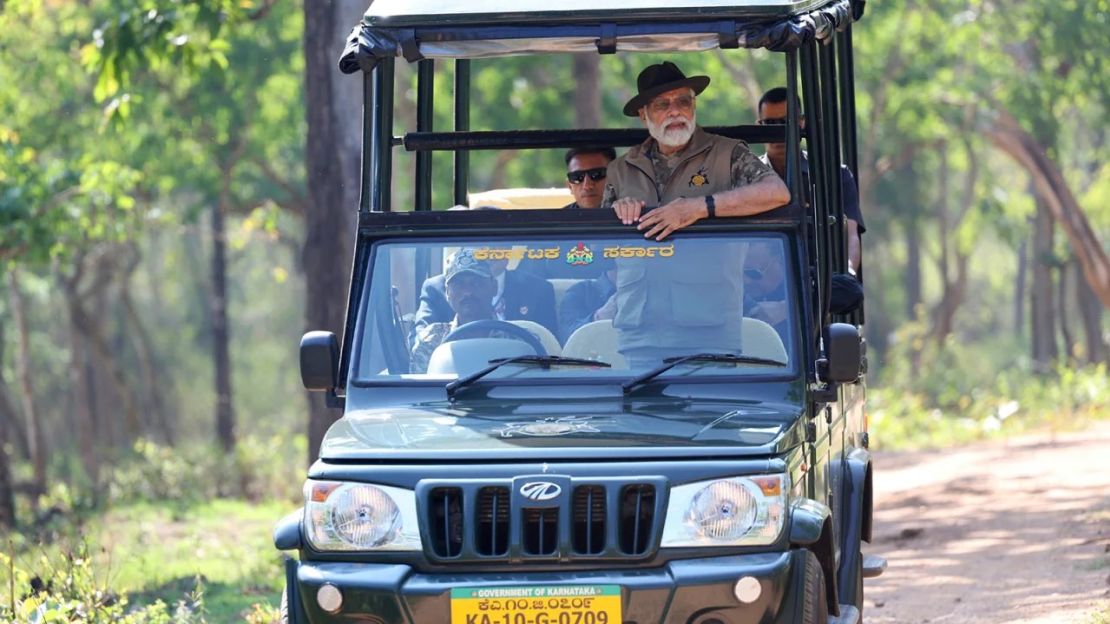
{"points": [[656, 79]]}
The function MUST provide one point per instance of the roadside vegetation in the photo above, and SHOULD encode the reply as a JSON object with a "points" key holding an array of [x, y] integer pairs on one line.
{"points": [[184, 538]]}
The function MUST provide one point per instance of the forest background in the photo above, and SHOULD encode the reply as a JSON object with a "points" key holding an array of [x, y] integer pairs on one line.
{"points": [[178, 183]]}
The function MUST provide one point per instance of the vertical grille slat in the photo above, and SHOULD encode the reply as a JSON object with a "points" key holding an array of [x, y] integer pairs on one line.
{"points": [[637, 516], [492, 539], [588, 516], [446, 520]]}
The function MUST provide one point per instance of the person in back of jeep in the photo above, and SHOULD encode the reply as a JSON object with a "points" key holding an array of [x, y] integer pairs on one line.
{"points": [[688, 173], [694, 301]]}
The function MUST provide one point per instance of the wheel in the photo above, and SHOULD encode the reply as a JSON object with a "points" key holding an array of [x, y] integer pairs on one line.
{"points": [[816, 608], [482, 328]]}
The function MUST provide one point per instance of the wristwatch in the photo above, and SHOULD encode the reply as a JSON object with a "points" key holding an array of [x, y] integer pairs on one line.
{"points": [[710, 206]]}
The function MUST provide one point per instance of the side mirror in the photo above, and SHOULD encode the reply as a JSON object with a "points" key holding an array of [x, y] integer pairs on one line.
{"points": [[319, 361], [843, 354]]}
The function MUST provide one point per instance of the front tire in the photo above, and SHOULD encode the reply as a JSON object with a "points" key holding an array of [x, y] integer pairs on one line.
{"points": [[816, 608]]}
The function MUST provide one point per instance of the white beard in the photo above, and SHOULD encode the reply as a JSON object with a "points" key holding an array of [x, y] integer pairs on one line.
{"points": [[675, 137]]}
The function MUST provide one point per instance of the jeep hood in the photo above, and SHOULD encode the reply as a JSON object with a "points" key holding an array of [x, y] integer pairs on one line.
{"points": [[489, 431]]}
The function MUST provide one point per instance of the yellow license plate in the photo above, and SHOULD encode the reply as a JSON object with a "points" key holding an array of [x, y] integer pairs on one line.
{"points": [[538, 604]]}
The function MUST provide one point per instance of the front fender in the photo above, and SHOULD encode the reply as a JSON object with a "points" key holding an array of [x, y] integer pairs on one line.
{"points": [[807, 520], [287, 532]]}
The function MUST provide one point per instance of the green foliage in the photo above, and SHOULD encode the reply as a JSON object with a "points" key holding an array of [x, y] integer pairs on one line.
{"points": [[938, 395], [71, 592], [148, 563], [258, 469]]}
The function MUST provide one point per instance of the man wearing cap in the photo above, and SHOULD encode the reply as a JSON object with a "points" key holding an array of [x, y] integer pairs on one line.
{"points": [[693, 302], [686, 172], [470, 288]]}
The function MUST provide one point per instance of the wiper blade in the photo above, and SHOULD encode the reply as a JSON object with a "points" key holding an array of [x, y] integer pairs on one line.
{"points": [[671, 362], [546, 361]]}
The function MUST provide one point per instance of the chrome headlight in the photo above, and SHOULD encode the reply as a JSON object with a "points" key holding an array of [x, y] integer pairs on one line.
{"points": [[360, 517], [742, 511]]}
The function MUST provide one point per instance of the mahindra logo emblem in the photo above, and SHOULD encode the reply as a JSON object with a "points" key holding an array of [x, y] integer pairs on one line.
{"points": [[540, 490]]}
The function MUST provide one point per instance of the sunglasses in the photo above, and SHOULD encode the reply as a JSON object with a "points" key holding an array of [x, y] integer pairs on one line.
{"points": [[773, 121], [576, 177]]}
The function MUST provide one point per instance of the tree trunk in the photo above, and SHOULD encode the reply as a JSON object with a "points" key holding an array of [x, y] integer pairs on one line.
{"points": [[1090, 313], [36, 441], [1062, 315], [155, 386], [1021, 280], [7, 493], [1008, 135], [913, 267], [221, 351], [1041, 309], [7, 417], [587, 94], [84, 403], [327, 247]]}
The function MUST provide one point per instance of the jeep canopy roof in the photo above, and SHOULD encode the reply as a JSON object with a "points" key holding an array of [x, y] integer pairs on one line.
{"points": [[468, 29]]}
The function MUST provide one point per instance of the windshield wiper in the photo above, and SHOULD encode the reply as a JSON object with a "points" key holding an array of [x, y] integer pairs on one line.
{"points": [[672, 362], [546, 361]]}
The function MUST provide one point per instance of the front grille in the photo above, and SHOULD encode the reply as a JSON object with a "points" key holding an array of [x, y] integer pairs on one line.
{"points": [[587, 520]]}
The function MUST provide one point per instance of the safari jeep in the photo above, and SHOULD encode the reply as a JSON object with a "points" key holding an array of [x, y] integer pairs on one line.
{"points": [[511, 473]]}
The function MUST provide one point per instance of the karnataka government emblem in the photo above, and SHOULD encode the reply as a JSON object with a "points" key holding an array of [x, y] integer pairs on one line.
{"points": [[580, 255], [701, 178], [553, 427]]}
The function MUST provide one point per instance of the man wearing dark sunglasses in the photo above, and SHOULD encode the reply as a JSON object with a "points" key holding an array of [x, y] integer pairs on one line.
{"points": [[586, 174], [847, 293]]}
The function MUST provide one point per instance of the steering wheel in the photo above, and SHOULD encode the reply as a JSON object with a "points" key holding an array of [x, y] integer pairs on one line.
{"points": [[480, 329]]}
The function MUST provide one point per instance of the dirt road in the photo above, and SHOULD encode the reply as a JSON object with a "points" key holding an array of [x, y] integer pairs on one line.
{"points": [[1015, 531]]}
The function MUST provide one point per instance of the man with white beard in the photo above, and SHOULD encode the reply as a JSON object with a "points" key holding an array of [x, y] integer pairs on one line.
{"points": [[692, 302], [685, 172]]}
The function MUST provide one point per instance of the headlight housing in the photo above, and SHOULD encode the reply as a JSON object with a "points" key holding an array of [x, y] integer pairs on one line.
{"points": [[741, 511], [360, 517]]}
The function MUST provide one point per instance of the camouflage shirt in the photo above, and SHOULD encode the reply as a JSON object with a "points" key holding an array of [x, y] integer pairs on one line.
{"points": [[747, 168]]}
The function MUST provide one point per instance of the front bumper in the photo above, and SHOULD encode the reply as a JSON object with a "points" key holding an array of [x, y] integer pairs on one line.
{"points": [[690, 591]]}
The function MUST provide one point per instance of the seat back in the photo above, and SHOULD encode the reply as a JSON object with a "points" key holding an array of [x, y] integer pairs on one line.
{"points": [[561, 286], [596, 341], [761, 340], [548, 339]]}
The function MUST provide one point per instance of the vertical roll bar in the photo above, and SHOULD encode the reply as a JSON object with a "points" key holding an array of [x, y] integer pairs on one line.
{"points": [[848, 100], [462, 123], [425, 92], [817, 191], [832, 161], [368, 124], [793, 136], [381, 146]]}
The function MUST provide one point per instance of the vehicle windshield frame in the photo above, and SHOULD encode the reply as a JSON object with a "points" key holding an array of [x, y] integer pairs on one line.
{"points": [[795, 347]]}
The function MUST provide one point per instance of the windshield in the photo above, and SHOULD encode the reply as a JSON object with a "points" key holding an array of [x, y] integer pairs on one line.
{"points": [[449, 308]]}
